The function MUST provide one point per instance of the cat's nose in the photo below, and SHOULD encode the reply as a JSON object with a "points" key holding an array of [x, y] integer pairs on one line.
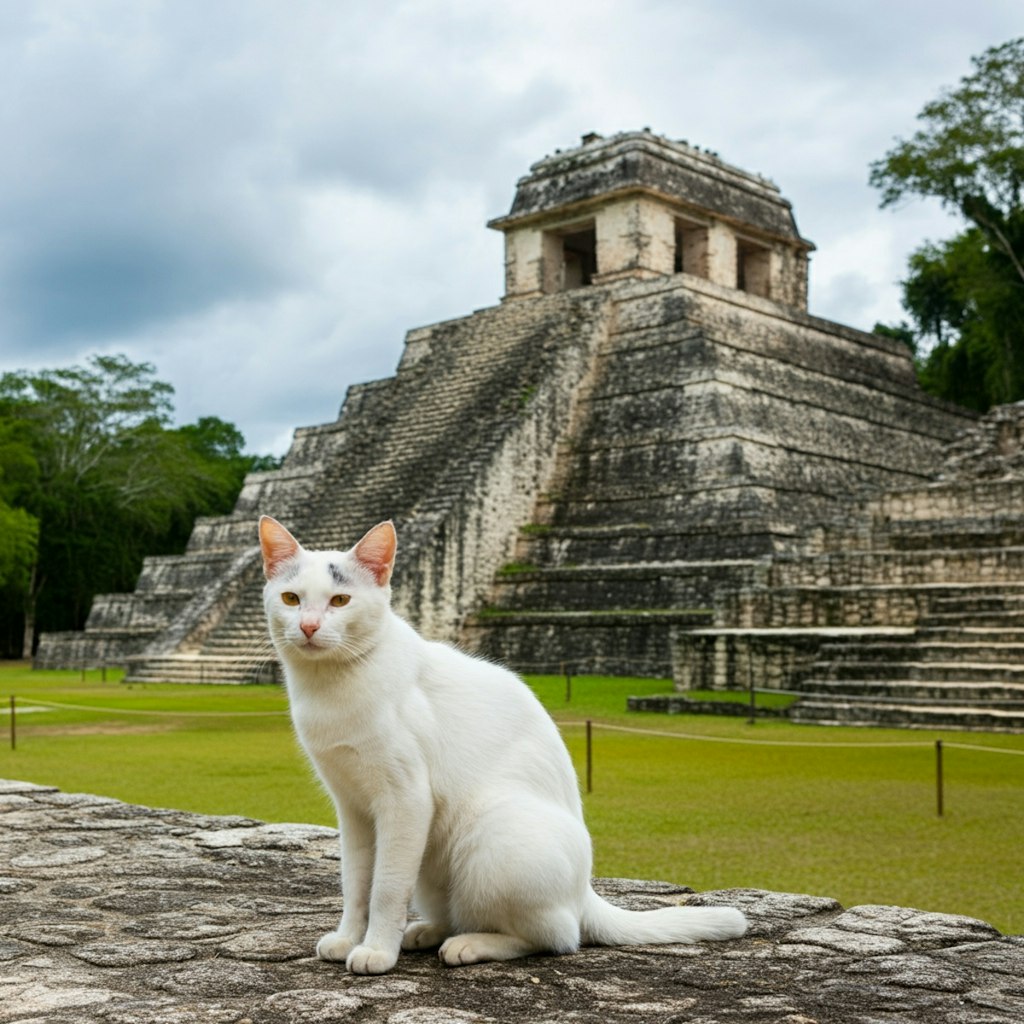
{"points": [[309, 628]]}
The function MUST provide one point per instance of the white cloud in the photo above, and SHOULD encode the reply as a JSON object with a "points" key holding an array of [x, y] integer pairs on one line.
{"points": [[262, 198]]}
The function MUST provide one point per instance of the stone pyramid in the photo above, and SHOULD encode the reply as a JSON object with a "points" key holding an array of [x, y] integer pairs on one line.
{"points": [[648, 413]]}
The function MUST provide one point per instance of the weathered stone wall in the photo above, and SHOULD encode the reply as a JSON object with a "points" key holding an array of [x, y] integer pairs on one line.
{"points": [[119, 914], [720, 428]]}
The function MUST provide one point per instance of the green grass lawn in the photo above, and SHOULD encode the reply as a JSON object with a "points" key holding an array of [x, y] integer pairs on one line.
{"points": [[848, 813]]}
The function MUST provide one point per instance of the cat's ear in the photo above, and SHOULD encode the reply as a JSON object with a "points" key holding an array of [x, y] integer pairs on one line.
{"points": [[376, 552], [277, 544]]}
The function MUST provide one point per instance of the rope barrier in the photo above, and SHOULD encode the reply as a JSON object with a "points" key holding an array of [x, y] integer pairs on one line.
{"points": [[746, 742], [976, 746], [147, 711], [588, 725], [917, 744], [663, 733]]}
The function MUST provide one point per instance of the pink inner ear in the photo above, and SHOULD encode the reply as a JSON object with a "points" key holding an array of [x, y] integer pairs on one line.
{"points": [[376, 551], [277, 544]]}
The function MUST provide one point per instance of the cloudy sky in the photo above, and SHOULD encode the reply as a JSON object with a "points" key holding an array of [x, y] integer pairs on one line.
{"points": [[261, 196]]}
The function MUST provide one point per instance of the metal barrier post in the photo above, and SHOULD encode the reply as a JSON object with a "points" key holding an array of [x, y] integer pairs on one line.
{"points": [[750, 681], [590, 756]]}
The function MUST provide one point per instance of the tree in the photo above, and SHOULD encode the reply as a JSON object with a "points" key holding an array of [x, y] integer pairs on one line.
{"points": [[93, 462], [966, 296], [970, 154], [965, 305]]}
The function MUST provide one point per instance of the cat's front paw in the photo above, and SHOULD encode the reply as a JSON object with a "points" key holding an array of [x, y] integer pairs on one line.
{"points": [[367, 960], [461, 949], [423, 935], [334, 946]]}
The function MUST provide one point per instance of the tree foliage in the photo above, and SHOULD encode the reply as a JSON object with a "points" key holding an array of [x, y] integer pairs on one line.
{"points": [[965, 296], [93, 477]]}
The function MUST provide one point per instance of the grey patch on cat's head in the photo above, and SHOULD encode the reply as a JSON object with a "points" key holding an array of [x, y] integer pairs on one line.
{"points": [[339, 578]]}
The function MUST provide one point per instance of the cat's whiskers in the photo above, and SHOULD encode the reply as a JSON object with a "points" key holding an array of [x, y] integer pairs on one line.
{"points": [[259, 656], [357, 647]]}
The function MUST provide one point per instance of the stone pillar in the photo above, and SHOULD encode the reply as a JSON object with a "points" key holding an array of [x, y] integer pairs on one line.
{"points": [[523, 264], [552, 263], [635, 238], [721, 256], [791, 284]]}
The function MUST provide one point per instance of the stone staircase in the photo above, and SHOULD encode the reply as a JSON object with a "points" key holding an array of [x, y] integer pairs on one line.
{"points": [[947, 673], [909, 614], [454, 448]]}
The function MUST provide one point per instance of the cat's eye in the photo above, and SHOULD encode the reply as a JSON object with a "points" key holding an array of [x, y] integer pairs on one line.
{"points": [[340, 600], [290, 599]]}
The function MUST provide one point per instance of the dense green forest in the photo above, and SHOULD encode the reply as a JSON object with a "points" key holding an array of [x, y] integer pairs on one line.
{"points": [[94, 477], [965, 295]]}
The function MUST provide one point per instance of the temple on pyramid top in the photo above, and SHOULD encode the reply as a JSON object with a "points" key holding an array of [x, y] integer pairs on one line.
{"points": [[638, 205]]}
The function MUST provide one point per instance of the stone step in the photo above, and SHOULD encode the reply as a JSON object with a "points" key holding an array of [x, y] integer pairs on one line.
{"points": [[246, 637], [222, 534], [79, 649], [1004, 609], [1006, 597], [565, 545], [873, 604], [921, 671], [1001, 695], [988, 567], [927, 651], [957, 634], [951, 500], [916, 535], [908, 716], [193, 668], [601, 588], [1009, 621]]}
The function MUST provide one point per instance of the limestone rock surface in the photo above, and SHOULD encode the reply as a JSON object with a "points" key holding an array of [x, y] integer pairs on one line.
{"points": [[116, 914]]}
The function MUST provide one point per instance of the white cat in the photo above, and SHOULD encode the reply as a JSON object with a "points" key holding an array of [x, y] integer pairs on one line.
{"points": [[453, 788]]}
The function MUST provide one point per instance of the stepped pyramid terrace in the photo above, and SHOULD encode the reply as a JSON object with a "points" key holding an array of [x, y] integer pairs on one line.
{"points": [[649, 458]]}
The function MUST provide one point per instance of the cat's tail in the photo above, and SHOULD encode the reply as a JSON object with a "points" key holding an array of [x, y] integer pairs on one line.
{"points": [[603, 924]]}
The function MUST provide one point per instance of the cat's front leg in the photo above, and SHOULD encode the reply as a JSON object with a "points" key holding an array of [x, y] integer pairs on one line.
{"points": [[356, 837], [431, 900], [401, 837]]}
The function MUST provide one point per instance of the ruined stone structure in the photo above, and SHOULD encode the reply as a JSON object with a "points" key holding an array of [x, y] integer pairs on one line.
{"points": [[638, 207], [649, 419], [908, 610], [120, 914]]}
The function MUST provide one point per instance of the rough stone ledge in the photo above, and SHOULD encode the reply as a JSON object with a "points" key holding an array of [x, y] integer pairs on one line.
{"points": [[117, 914]]}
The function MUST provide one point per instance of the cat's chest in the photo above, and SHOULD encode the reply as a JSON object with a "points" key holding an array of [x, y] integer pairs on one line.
{"points": [[324, 732], [343, 745]]}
